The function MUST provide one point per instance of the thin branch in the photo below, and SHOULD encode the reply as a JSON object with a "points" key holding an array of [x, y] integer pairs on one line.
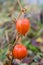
{"points": [[14, 20], [18, 39], [19, 15], [7, 38], [23, 10], [19, 4]]}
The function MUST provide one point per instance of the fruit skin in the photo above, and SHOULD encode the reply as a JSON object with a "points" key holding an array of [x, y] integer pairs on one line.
{"points": [[23, 25], [19, 51]]}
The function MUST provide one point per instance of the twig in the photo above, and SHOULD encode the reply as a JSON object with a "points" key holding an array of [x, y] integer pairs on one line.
{"points": [[19, 4], [14, 20], [18, 39], [19, 15], [22, 9], [7, 38]]}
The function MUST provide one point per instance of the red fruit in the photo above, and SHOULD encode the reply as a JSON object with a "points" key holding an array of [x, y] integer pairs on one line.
{"points": [[23, 25], [19, 51]]}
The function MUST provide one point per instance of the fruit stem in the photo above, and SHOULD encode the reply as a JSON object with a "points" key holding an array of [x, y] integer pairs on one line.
{"points": [[19, 4]]}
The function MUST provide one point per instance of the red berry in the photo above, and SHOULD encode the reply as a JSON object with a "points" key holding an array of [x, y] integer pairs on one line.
{"points": [[19, 51], [23, 25]]}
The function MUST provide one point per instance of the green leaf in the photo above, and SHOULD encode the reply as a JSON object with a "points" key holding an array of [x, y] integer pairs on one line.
{"points": [[26, 43], [3, 56], [33, 48], [33, 63]]}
